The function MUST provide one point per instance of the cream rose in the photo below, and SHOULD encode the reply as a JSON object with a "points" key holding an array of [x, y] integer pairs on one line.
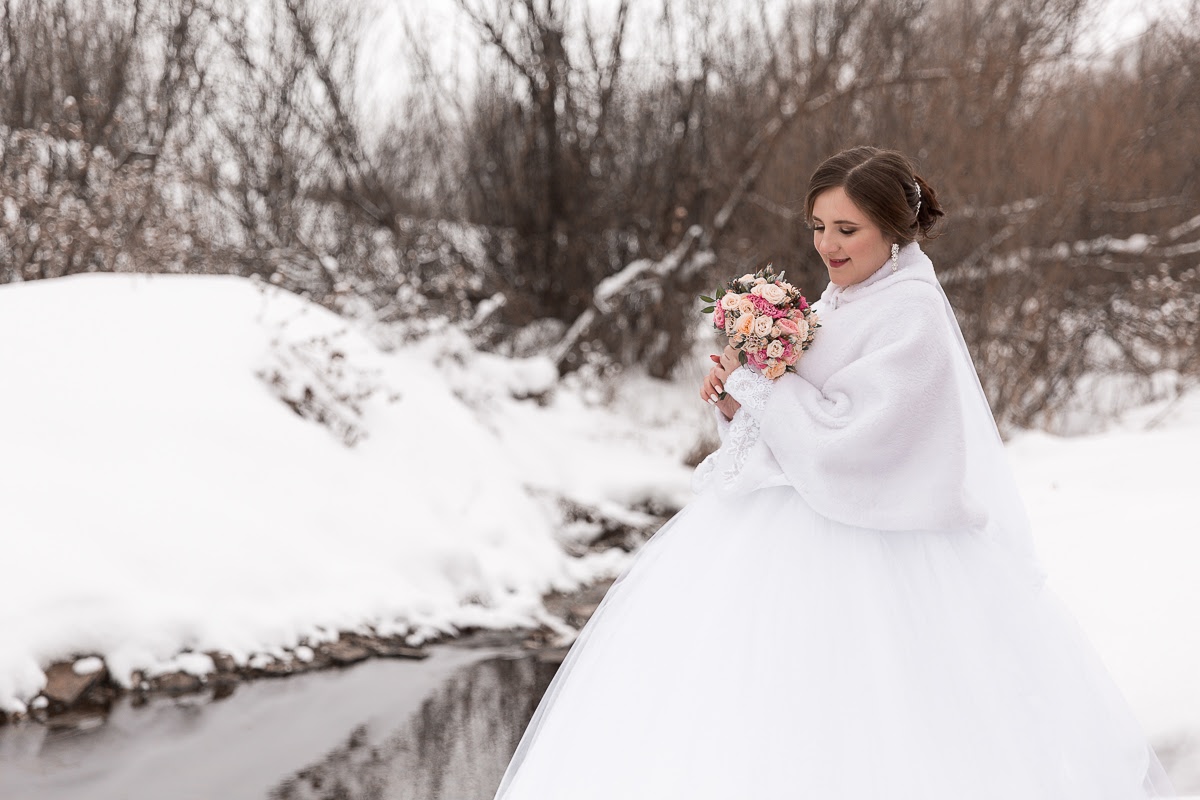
{"points": [[772, 293], [775, 349], [757, 289], [747, 278], [730, 301], [763, 325], [745, 306], [801, 329], [775, 369]]}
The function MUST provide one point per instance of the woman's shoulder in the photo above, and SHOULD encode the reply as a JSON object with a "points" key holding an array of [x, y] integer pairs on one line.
{"points": [[909, 311]]}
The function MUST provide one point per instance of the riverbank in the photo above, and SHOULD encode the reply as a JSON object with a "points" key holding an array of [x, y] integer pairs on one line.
{"points": [[80, 693]]}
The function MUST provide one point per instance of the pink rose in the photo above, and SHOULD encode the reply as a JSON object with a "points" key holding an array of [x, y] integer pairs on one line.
{"points": [[788, 326], [767, 307], [719, 318]]}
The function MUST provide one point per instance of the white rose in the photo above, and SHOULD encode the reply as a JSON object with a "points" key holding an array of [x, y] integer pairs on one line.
{"points": [[757, 289], [730, 301], [772, 293], [747, 278], [762, 326], [802, 329], [775, 349]]}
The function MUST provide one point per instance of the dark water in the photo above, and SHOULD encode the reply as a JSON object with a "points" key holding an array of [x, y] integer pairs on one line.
{"points": [[439, 729], [456, 746]]}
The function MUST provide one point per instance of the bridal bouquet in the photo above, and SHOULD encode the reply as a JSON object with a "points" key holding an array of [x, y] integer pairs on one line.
{"points": [[766, 319]]}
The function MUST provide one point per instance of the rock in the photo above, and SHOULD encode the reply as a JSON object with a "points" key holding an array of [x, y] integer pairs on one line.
{"points": [[64, 686], [177, 683], [76, 720], [581, 613], [343, 652], [222, 662], [274, 669], [397, 649], [553, 655], [223, 685]]}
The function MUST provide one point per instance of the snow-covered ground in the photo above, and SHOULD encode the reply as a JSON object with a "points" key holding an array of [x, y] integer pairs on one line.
{"points": [[1117, 521], [158, 495]]}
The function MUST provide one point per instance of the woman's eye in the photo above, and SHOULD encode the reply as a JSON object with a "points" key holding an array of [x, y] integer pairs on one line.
{"points": [[818, 228], [845, 232]]}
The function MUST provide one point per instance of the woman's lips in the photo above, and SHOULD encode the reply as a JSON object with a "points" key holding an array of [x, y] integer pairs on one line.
{"points": [[838, 262]]}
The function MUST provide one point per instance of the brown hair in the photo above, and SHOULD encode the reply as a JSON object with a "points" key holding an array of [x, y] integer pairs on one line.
{"points": [[884, 185]]}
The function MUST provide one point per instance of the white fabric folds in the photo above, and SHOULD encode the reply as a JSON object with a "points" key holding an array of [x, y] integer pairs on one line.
{"points": [[850, 609]]}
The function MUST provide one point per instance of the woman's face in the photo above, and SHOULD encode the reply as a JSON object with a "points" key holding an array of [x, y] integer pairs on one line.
{"points": [[851, 246]]}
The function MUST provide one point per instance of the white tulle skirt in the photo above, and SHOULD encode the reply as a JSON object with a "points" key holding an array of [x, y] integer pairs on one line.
{"points": [[758, 650]]}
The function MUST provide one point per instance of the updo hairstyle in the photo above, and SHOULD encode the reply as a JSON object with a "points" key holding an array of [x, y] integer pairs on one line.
{"points": [[883, 184]]}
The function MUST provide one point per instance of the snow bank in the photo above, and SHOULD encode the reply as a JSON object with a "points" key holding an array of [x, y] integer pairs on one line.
{"points": [[167, 489], [1115, 518]]}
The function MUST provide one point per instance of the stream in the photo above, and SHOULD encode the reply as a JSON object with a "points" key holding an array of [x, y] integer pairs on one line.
{"points": [[443, 727]]}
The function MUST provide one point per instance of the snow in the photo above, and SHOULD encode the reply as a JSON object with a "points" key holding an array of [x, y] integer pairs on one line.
{"points": [[1115, 518], [87, 666], [160, 499]]}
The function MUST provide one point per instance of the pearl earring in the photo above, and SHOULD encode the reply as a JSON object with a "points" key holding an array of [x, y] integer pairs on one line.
{"points": [[895, 256]]}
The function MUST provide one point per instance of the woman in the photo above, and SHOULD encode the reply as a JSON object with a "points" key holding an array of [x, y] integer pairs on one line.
{"points": [[850, 607]]}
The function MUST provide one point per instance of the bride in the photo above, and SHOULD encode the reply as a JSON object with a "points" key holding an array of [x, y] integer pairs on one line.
{"points": [[850, 607]]}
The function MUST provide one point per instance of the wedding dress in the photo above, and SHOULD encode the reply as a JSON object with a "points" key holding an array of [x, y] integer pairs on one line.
{"points": [[849, 608]]}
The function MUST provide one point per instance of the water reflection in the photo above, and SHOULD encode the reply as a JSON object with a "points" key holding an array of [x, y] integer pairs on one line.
{"points": [[454, 748]]}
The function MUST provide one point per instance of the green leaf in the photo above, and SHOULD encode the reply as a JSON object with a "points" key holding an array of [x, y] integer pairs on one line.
{"points": [[708, 310], [720, 292], [742, 357], [707, 299]]}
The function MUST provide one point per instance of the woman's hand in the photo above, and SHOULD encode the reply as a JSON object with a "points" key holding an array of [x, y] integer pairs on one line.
{"points": [[714, 383], [729, 360]]}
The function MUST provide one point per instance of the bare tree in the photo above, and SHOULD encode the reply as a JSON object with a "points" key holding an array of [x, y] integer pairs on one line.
{"points": [[88, 97]]}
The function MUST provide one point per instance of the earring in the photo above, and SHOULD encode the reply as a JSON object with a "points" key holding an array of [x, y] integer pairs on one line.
{"points": [[895, 256]]}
